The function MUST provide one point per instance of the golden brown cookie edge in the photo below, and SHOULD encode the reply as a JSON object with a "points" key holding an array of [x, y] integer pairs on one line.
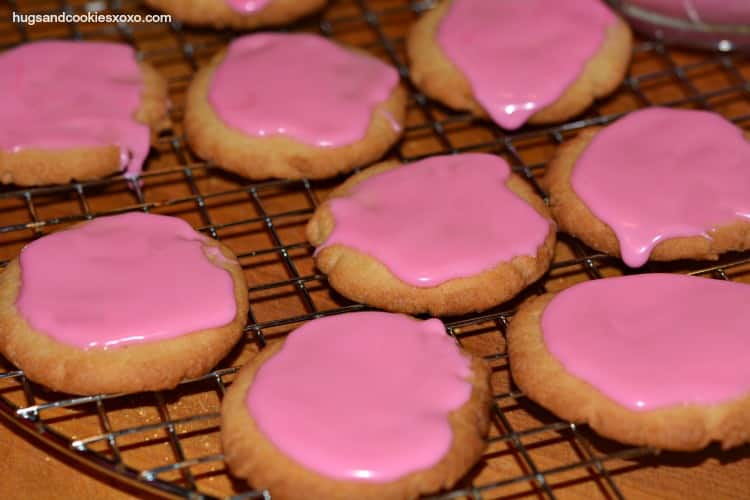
{"points": [[575, 218], [283, 157], [251, 456], [34, 166], [362, 278], [134, 368], [439, 78], [543, 379], [219, 15]]}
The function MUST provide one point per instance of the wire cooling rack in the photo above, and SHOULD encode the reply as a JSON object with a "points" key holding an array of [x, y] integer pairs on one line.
{"points": [[167, 442]]}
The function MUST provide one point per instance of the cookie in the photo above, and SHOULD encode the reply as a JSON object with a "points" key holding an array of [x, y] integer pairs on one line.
{"points": [[365, 405], [444, 235], [237, 14], [127, 303], [659, 184], [653, 359], [257, 117], [76, 111], [519, 61]]}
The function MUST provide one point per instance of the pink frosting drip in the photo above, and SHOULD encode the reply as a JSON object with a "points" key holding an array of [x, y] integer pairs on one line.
{"points": [[247, 6], [521, 55], [663, 173], [438, 219], [362, 396], [63, 95], [654, 340], [707, 11], [123, 280], [329, 103]]}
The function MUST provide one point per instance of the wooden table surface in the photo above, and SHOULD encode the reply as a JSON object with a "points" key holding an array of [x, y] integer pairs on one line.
{"points": [[264, 225]]}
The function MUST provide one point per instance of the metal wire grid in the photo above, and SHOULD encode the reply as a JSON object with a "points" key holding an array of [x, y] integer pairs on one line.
{"points": [[38, 411]]}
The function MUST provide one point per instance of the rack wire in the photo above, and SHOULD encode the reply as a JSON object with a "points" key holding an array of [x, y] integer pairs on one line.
{"points": [[167, 442]]}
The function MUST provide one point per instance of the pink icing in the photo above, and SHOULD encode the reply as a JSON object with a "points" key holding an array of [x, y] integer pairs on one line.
{"points": [[362, 396], [64, 94], [329, 103], [707, 11], [521, 55], [247, 6], [654, 340], [663, 173], [123, 280], [438, 219]]}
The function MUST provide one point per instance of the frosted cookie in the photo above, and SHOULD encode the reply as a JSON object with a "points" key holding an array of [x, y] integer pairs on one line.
{"points": [[237, 14], [445, 235], [651, 359], [519, 61], [126, 303], [660, 184], [259, 118], [364, 405], [76, 111]]}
